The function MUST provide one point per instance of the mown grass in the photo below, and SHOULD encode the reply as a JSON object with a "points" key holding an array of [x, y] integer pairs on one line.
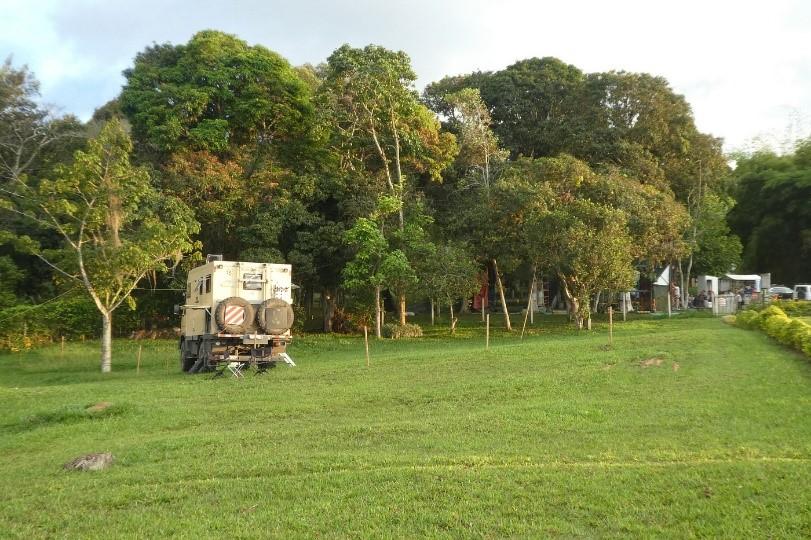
{"points": [[685, 427]]}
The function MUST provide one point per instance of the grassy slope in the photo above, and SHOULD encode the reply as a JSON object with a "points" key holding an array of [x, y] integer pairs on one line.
{"points": [[550, 436]]}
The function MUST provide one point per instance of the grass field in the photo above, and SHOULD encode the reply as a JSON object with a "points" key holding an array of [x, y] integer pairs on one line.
{"points": [[684, 428]]}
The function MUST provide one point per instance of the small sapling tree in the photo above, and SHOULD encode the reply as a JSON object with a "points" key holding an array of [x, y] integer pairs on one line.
{"points": [[115, 227]]}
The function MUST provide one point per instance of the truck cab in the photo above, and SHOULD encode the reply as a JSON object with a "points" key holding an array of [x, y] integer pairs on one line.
{"points": [[236, 312], [802, 292]]}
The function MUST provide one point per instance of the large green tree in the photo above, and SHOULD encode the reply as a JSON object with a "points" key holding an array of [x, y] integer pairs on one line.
{"points": [[114, 226], [215, 93], [588, 247], [225, 123], [631, 121], [33, 140], [772, 214], [379, 128]]}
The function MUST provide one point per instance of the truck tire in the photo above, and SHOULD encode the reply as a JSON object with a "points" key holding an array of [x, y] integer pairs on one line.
{"points": [[234, 315], [275, 316], [200, 364], [188, 355]]}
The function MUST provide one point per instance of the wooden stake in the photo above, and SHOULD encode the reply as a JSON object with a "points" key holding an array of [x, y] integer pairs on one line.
{"points": [[624, 306], [668, 303], [138, 362], [610, 325], [484, 301], [529, 308], [366, 342], [500, 287], [487, 333], [532, 295]]}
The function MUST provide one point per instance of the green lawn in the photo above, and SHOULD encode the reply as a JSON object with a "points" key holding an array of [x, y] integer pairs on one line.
{"points": [[685, 428]]}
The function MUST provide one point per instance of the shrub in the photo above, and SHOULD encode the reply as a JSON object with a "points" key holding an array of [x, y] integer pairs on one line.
{"points": [[806, 343], [397, 331], [794, 308], [26, 326], [776, 324], [768, 313], [776, 327], [747, 319], [797, 333]]}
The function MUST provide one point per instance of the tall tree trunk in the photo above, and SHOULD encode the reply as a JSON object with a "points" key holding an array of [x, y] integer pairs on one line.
{"points": [[531, 301], [501, 295], [399, 169], [687, 277], [378, 314], [696, 218], [432, 312], [453, 319], [402, 309], [573, 304], [106, 341]]}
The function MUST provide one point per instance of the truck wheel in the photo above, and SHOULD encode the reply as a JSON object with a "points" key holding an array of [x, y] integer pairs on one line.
{"points": [[234, 315], [275, 316], [187, 358], [200, 361]]}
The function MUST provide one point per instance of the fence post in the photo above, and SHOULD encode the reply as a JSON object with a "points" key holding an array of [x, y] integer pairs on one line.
{"points": [[624, 305], [366, 340], [487, 333], [610, 325]]}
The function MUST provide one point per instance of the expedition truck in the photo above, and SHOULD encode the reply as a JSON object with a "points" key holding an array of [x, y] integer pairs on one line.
{"points": [[236, 313]]}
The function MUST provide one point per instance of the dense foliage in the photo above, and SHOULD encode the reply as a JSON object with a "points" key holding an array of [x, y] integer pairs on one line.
{"points": [[774, 321], [773, 213], [379, 196]]}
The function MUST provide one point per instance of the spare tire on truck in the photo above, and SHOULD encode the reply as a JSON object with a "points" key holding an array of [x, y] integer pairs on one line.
{"points": [[275, 316], [234, 315]]}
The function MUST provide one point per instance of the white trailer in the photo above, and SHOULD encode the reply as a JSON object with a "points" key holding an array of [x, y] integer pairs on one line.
{"points": [[236, 313]]}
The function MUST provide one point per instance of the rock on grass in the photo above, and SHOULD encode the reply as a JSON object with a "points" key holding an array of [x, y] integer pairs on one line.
{"points": [[90, 462]]}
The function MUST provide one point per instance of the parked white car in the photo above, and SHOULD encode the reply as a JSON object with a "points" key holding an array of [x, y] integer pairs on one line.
{"points": [[802, 292]]}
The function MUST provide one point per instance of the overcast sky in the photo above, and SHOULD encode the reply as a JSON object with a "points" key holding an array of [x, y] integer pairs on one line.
{"points": [[744, 66]]}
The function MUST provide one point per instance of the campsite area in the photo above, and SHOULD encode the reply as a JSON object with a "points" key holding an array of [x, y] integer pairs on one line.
{"points": [[684, 427]]}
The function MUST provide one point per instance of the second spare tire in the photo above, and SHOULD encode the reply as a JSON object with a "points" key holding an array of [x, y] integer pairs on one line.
{"points": [[275, 316], [234, 315]]}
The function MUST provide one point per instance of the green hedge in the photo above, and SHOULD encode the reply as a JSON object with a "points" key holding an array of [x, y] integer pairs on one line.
{"points": [[26, 326], [778, 325], [794, 308]]}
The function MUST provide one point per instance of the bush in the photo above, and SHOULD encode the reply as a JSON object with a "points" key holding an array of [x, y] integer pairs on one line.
{"points": [[794, 308], [775, 327], [797, 333], [26, 326], [747, 319], [774, 321], [397, 331]]}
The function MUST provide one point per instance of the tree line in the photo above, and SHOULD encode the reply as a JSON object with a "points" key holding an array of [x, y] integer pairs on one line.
{"points": [[365, 186]]}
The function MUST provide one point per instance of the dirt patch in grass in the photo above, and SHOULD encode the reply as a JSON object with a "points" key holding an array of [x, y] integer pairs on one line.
{"points": [[98, 407], [651, 362]]}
